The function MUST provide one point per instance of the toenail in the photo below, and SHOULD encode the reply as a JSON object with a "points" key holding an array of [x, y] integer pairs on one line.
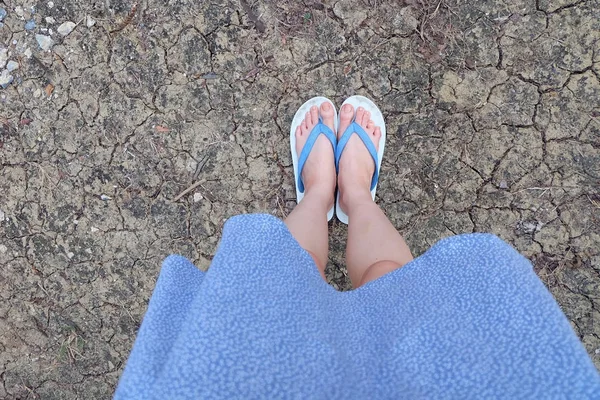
{"points": [[360, 109]]}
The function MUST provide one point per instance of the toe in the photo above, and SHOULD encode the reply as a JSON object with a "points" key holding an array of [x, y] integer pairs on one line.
{"points": [[360, 114], [377, 134], [327, 114], [303, 126], [370, 127], [366, 118], [314, 115], [346, 115], [298, 131]]}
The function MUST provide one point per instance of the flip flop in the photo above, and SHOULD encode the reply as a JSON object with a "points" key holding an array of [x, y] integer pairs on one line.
{"points": [[354, 128], [319, 129]]}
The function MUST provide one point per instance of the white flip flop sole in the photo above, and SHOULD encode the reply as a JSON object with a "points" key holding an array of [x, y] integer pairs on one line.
{"points": [[377, 118], [298, 117]]}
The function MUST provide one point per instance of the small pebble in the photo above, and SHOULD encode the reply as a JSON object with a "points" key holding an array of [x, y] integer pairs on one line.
{"points": [[27, 52], [89, 21], [45, 42], [37, 93], [94, 229], [70, 254], [5, 79], [2, 14], [105, 197], [30, 25], [50, 4], [3, 248], [19, 11], [50, 20], [1, 215], [12, 65], [66, 27], [503, 185], [197, 197]]}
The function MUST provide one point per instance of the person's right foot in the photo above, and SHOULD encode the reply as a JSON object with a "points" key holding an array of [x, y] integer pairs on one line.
{"points": [[356, 165], [319, 171]]}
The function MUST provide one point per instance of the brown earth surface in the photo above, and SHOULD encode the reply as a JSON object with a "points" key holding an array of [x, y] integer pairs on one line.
{"points": [[493, 120]]}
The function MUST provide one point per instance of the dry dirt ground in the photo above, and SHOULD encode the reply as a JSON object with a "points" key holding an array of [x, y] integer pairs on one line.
{"points": [[493, 113]]}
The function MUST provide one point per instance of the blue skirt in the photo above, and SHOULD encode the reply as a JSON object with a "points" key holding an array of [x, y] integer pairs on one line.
{"points": [[467, 319]]}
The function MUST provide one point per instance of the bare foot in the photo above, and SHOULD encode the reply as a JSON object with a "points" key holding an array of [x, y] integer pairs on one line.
{"points": [[318, 173], [356, 165]]}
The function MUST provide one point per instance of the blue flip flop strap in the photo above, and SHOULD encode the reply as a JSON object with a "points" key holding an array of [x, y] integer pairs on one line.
{"points": [[319, 129], [364, 136]]}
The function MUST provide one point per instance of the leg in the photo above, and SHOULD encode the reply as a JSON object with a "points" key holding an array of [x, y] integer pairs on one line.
{"points": [[374, 246], [308, 221]]}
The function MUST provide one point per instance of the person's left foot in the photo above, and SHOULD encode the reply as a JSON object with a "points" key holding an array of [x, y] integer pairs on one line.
{"points": [[318, 175]]}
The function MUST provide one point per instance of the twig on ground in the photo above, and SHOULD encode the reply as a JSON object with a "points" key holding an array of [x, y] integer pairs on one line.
{"points": [[127, 20], [188, 190]]}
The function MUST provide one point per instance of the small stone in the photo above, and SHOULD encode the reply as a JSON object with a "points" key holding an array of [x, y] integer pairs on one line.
{"points": [[503, 185], [50, 4], [89, 21], [12, 65], [27, 52], [37, 93], [3, 57], [197, 197], [5, 79], [3, 248], [1, 215], [19, 11], [105, 197], [66, 27], [50, 20], [2, 14], [30, 25], [94, 229], [45, 42], [70, 254]]}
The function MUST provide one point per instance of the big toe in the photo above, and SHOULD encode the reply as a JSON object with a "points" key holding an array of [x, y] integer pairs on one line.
{"points": [[327, 114], [346, 116]]}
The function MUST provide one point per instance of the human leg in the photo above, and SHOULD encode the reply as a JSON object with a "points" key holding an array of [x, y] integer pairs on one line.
{"points": [[374, 245], [308, 221]]}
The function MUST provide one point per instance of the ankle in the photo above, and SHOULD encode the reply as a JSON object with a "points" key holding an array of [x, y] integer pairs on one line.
{"points": [[352, 198], [321, 195]]}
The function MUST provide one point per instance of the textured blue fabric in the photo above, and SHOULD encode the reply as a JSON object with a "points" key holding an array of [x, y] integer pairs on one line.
{"points": [[319, 129], [352, 129], [468, 319]]}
